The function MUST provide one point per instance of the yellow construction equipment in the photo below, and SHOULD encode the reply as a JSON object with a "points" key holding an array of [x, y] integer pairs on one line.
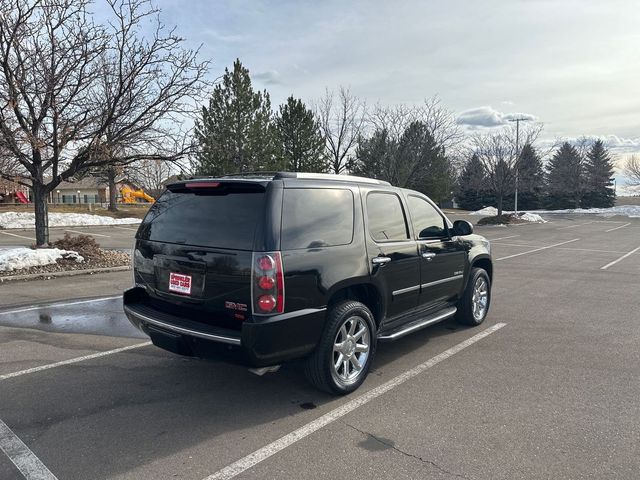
{"points": [[130, 195]]}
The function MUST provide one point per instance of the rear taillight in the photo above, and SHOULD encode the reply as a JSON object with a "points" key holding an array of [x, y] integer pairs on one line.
{"points": [[267, 283]]}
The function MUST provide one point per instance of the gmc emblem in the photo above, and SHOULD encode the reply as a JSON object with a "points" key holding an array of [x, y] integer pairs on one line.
{"points": [[240, 307]]}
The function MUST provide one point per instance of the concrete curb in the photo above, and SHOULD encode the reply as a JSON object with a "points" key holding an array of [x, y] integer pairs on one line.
{"points": [[66, 273]]}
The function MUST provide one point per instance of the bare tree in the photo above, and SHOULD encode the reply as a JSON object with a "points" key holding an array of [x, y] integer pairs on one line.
{"points": [[341, 120], [499, 154], [76, 95], [150, 175], [632, 169]]}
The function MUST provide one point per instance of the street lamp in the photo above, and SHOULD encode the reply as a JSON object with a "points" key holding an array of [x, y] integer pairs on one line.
{"points": [[58, 191], [517, 120], [79, 197]]}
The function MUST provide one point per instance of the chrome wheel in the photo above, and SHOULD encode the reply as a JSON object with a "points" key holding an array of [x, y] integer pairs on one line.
{"points": [[350, 350], [480, 298]]}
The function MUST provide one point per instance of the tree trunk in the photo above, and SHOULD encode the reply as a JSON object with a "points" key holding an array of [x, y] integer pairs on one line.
{"points": [[499, 202], [42, 215], [113, 192]]}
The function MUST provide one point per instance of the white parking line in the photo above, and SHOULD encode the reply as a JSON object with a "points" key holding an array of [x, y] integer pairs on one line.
{"points": [[502, 238], [87, 233], [621, 258], [58, 304], [72, 360], [22, 457], [262, 454], [125, 228], [574, 226], [19, 236], [537, 249], [559, 248], [616, 228]]}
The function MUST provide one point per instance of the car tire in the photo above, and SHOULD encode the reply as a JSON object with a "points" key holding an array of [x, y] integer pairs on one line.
{"points": [[474, 304], [348, 342]]}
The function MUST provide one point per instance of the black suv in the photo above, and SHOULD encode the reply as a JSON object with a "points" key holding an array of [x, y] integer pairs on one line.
{"points": [[262, 269]]}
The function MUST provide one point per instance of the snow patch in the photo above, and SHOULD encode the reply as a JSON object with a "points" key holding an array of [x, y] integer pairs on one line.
{"points": [[486, 212], [527, 216], [631, 211], [18, 258], [28, 220]]}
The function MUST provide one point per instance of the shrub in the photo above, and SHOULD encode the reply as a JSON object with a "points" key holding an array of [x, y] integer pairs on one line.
{"points": [[85, 245]]}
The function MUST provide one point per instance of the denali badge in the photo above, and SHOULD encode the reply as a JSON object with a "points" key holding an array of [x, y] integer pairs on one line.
{"points": [[180, 283], [240, 307]]}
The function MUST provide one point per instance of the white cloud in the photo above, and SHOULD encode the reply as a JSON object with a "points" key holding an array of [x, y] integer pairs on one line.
{"points": [[489, 117]]}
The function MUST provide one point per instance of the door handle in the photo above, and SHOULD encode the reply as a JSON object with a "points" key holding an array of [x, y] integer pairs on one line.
{"points": [[428, 255], [380, 261]]}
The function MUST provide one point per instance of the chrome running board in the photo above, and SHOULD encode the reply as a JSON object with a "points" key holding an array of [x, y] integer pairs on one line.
{"points": [[417, 325]]}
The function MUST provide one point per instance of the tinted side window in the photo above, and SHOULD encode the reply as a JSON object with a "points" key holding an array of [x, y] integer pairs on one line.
{"points": [[320, 217], [427, 222], [386, 217]]}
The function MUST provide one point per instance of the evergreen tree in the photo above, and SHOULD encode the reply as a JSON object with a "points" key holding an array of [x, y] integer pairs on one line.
{"points": [[530, 179], [298, 133], [375, 156], [415, 160], [235, 132], [564, 178], [472, 192], [598, 171]]}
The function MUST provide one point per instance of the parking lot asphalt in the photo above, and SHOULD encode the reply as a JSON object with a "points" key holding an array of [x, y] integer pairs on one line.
{"points": [[108, 236], [547, 387]]}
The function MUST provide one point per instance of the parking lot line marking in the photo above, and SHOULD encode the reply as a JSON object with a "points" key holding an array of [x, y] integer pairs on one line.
{"points": [[574, 226], [72, 360], [619, 259], [501, 238], [559, 248], [263, 453], [58, 304], [616, 228], [87, 233], [537, 249], [22, 457], [19, 236], [125, 228]]}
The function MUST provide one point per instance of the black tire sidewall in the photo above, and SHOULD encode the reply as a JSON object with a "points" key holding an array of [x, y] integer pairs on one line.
{"points": [[467, 314]]}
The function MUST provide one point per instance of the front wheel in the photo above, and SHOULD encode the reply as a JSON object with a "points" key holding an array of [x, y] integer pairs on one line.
{"points": [[343, 357], [474, 304]]}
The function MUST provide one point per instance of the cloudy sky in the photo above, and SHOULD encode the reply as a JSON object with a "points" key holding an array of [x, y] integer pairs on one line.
{"points": [[573, 64]]}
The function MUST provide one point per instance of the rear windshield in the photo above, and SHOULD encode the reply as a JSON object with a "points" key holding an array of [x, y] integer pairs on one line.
{"points": [[204, 219]]}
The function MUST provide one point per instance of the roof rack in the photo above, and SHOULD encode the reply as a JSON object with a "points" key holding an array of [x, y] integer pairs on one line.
{"points": [[328, 176]]}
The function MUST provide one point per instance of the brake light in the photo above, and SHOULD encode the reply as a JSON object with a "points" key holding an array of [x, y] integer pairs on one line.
{"points": [[202, 185], [267, 283]]}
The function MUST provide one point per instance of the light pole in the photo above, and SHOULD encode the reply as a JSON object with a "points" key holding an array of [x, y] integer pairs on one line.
{"points": [[517, 120]]}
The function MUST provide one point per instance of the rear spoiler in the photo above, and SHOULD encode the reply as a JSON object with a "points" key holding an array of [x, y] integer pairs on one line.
{"points": [[217, 185]]}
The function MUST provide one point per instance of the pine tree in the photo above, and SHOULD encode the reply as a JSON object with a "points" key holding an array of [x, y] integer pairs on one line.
{"points": [[375, 157], [472, 191], [564, 178], [598, 171], [530, 179], [235, 132], [299, 138]]}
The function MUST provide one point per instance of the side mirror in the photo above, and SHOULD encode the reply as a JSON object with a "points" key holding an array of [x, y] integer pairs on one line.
{"points": [[462, 228]]}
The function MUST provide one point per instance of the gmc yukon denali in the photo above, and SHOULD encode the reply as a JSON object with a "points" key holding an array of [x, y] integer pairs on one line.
{"points": [[265, 268]]}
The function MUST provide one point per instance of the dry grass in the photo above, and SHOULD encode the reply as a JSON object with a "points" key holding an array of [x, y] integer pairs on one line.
{"points": [[504, 219]]}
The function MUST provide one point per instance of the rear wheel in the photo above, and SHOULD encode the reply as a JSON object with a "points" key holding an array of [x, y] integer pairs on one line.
{"points": [[474, 304], [343, 357]]}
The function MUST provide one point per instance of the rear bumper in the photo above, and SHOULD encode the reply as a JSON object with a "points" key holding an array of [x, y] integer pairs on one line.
{"points": [[261, 342]]}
